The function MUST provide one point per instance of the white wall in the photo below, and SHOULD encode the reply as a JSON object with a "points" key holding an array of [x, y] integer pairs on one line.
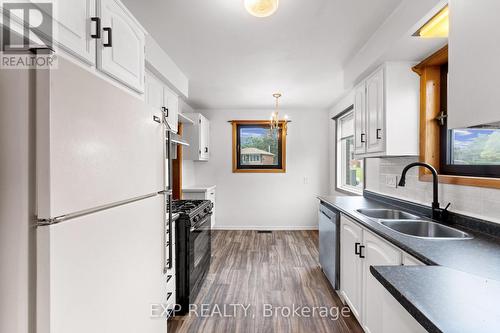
{"points": [[479, 202], [16, 205], [188, 173], [269, 201]]}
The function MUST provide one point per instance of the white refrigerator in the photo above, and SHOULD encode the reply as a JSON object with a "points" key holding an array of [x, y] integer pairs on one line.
{"points": [[101, 205]]}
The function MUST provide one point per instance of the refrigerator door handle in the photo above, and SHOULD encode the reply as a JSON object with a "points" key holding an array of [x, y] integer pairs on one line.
{"points": [[67, 217]]}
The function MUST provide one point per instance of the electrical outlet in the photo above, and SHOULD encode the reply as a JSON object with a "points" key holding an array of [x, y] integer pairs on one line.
{"points": [[391, 181], [306, 180]]}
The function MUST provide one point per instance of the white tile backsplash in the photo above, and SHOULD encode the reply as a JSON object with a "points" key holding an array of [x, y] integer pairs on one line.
{"points": [[479, 202]]}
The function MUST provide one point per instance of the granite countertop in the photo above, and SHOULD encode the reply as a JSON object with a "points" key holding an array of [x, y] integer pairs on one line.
{"points": [[464, 274]]}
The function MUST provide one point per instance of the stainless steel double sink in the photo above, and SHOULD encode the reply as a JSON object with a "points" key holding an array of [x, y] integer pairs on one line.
{"points": [[413, 225]]}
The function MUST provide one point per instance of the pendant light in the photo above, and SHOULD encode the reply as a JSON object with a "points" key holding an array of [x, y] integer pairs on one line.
{"points": [[275, 121]]}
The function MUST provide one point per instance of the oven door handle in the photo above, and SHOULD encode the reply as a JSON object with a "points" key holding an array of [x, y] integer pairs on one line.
{"points": [[197, 226]]}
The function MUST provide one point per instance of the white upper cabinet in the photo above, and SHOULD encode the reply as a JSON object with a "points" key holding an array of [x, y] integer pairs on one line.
{"points": [[171, 102], [205, 137], [161, 98], [359, 119], [375, 113], [154, 93], [76, 28], [198, 136], [121, 47], [474, 76], [386, 109]]}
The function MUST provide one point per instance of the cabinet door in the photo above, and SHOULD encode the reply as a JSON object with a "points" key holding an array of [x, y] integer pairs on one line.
{"points": [[154, 93], [375, 113], [395, 318], [121, 48], [204, 138], [377, 253], [351, 265], [74, 28], [172, 103], [360, 120], [71, 28]]}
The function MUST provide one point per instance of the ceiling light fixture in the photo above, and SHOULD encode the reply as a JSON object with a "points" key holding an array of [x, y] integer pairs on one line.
{"points": [[261, 8], [437, 27], [275, 121]]}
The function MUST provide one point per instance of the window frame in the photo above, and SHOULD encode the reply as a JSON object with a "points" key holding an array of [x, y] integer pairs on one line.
{"points": [[429, 71], [238, 168], [349, 190]]}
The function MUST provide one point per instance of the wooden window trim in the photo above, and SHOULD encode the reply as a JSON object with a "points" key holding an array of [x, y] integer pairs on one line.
{"points": [[283, 134], [429, 71]]}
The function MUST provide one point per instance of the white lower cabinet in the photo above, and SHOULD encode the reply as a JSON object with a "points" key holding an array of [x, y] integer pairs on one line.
{"points": [[351, 236], [374, 307], [376, 252]]}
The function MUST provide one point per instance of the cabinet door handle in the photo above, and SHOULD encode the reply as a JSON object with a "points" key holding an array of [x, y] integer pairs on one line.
{"points": [[97, 21], [165, 109], [379, 137], [363, 138], [206, 149], [110, 37], [356, 248], [361, 255]]}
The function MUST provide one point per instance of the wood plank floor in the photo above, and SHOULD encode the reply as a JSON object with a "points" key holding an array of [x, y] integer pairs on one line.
{"points": [[260, 271]]}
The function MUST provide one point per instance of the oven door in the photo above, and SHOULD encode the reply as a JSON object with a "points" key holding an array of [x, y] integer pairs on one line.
{"points": [[200, 240]]}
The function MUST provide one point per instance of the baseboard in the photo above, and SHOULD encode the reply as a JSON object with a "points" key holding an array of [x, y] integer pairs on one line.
{"points": [[277, 228]]}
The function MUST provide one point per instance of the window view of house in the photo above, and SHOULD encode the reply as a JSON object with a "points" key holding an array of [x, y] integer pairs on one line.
{"points": [[349, 170], [255, 156], [259, 146]]}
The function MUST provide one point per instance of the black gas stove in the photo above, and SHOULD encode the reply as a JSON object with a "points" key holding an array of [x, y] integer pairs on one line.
{"points": [[193, 248], [191, 207]]}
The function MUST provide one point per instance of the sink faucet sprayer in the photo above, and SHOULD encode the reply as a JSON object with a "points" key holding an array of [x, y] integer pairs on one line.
{"points": [[437, 212]]}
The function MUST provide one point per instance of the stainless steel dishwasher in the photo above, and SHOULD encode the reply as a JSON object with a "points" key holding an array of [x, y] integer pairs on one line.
{"points": [[329, 244]]}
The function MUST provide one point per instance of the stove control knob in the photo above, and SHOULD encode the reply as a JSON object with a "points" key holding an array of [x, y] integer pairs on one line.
{"points": [[207, 209], [196, 219]]}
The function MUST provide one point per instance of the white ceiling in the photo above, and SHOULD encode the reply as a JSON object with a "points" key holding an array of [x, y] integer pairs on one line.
{"points": [[234, 60]]}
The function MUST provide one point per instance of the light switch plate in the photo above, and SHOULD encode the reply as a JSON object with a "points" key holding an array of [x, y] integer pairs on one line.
{"points": [[391, 181]]}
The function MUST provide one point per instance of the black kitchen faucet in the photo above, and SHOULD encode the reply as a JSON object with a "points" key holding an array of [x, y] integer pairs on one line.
{"points": [[437, 212]]}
